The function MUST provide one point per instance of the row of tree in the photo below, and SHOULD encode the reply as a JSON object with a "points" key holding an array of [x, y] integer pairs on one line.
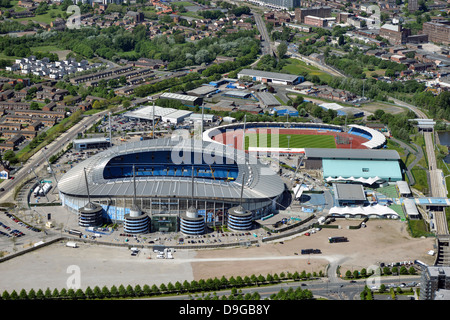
{"points": [[289, 294], [363, 273], [178, 288]]}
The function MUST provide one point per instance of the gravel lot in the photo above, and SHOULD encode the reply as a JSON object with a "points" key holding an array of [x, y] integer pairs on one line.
{"points": [[50, 267]]}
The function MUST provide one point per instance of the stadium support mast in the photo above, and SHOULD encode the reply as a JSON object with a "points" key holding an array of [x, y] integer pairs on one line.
{"points": [[110, 141], [87, 186], [243, 133], [134, 185], [192, 187], [50, 166], [242, 189], [203, 112], [153, 121]]}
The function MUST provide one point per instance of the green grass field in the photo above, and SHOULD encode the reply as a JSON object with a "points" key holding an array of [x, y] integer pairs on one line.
{"points": [[295, 66], [295, 140]]}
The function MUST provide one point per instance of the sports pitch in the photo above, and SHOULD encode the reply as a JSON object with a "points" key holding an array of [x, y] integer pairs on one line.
{"points": [[294, 140]]}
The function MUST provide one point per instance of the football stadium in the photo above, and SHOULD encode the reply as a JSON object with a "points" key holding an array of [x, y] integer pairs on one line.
{"points": [[294, 137], [172, 185]]}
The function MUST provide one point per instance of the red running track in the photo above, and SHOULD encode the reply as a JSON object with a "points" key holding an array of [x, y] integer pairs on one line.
{"points": [[234, 137]]}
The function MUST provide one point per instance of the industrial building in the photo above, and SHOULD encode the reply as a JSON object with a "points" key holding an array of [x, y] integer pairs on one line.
{"points": [[271, 77], [268, 99], [169, 115], [183, 98], [203, 91], [236, 94], [349, 194], [343, 111], [91, 143], [286, 111], [162, 171], [355, 165], [278, 4]]}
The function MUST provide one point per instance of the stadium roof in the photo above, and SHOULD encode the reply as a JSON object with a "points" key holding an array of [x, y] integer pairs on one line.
{"points": [[261, 182], [378, 139]]}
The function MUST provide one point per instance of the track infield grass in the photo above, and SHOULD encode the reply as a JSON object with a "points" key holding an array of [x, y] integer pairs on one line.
{"points": [[295, 140]]}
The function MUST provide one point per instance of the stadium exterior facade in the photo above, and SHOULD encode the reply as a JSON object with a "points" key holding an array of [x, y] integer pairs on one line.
{"points": [[170, 177]]}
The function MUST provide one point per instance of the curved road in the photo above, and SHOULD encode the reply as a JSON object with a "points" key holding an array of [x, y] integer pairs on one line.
{"points": [[436, 177]]}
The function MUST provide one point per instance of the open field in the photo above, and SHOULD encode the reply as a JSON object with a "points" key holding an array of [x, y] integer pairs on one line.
{"points": [[386, 107], [295, 140], [297, 66]]}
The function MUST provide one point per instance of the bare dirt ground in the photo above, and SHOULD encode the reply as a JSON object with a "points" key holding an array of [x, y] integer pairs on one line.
{"points": [[381, 241], [49, 267]]}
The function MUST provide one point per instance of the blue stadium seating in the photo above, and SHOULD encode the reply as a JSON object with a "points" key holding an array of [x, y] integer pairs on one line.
{"points": [[160, 164]]}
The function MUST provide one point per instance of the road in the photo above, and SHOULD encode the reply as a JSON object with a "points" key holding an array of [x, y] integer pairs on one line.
{"points": [[266, 43], [38, 159], [344, 290]]}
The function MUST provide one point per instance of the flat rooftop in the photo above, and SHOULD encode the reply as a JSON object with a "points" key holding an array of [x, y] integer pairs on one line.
{"points": [[352, 154], [346, 191], [267, 74]]}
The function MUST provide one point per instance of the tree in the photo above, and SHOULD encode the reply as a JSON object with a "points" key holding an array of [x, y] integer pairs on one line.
{"points": [[79, 294], [5, 295], [282, 49], [34, 106], [10, 156], [155, 289], [122, 291], [98, 293], [23, 295], [89, 293], [32, 294], [55, 293], [130, 291], [137, 290]]}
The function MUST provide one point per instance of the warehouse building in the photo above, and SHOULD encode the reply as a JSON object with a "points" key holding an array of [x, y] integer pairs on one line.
{"points": [[91, 143], [236, 94], [170, 115], [347, 194], [343, 111], [268, 99], [364, 166], [271, 77], [183, 98]]}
